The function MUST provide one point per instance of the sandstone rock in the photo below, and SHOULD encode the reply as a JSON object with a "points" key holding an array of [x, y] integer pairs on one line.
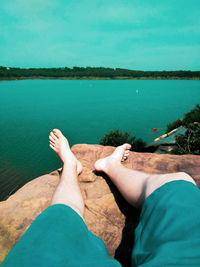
{"points": [[107, 214]]}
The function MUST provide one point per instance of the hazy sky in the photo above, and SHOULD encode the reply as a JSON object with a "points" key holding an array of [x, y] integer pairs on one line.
{"points": [[134, 34]]}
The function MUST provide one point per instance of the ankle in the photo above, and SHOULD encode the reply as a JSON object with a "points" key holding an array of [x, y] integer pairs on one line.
{"points": [[111, 163], [70, 165]]}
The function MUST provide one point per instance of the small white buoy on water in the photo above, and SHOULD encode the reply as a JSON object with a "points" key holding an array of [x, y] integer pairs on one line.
{"points": [[137, 91]]}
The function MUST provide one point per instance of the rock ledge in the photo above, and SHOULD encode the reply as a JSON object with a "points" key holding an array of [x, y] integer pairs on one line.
{"points": [[107, 214]]}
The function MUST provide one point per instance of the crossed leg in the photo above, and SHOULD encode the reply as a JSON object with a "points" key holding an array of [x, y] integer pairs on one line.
{"points": [[135, 186]]}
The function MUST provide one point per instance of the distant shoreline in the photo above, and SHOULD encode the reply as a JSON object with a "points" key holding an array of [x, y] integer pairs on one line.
{"points": [[93, 73], [96, 78]]}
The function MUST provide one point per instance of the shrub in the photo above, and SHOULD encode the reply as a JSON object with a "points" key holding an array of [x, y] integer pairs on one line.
{"points": [[188, 119], [175, 124], [117, 138], [190, 142], [192, 116], [138, 145]]}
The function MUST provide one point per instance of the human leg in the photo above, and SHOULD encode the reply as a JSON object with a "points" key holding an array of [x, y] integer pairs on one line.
{"points": [[130, 183], [59, 235], [168, 230], [135, 186], [68, 191]]}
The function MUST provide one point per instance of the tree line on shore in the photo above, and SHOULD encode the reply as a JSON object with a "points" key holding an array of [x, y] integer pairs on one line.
{"points": [[98, 72]]}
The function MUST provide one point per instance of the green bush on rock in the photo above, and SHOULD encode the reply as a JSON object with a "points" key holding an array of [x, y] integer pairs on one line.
{"points": [[175, 124], [117, 138], [190, 117], [190, 142]]}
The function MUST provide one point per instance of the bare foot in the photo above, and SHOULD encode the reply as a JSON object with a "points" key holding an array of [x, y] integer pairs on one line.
{"points": [[120, 154], [58, 142]]}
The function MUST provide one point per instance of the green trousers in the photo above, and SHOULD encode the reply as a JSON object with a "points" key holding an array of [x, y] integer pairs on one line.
{"points": [[168, 234]]}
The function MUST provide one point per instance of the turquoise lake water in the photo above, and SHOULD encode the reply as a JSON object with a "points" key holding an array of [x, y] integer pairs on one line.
{"points": [[84, 111]]}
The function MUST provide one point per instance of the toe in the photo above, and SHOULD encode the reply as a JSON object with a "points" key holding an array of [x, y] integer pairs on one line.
{"points": [[51, 146], [57, 132], [127, 146], [52, 139], [52, 143], [53, 136]]}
